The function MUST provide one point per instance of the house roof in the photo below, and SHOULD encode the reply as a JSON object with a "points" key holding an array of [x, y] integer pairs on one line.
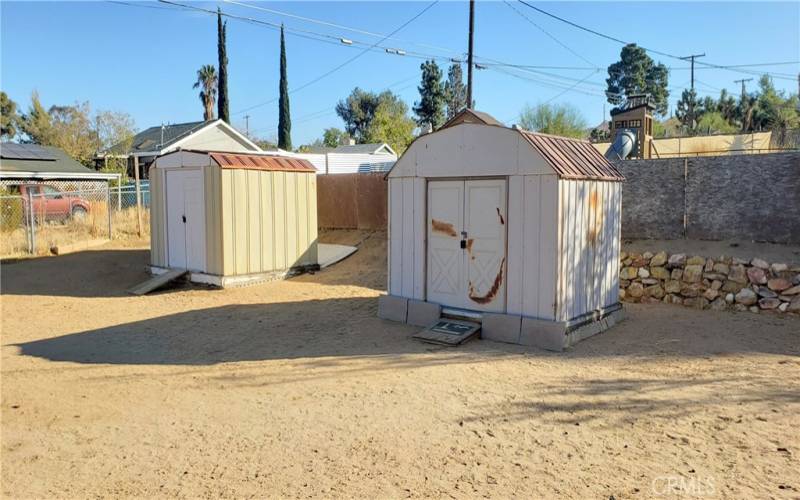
{"points": [[159, 138], [573, 158], [471, 116], [35, 161], [368, 149], [262, 162]]}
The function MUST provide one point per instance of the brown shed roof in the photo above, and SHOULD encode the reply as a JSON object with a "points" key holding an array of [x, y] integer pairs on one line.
{"points": [[573, 158], [262, 162]]}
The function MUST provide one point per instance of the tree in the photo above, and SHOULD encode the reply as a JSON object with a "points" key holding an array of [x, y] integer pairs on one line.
{"points": [[357, 112], [115, 132], [686, 109], [713, 122], [637, 73], [222, 34], [8, 117], [391, 123], [333, 137], [557, 119], [600, 134], [207, 82], [284, 119], [454, 90], [36, 123], [430, 108], [726, 106], [73, 131]]}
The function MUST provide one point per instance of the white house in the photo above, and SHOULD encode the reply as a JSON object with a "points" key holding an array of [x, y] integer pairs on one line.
{"points": [[351, 158], [147, 145]]}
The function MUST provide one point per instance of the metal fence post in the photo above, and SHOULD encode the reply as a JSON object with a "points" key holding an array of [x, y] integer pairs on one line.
{"points": [[32, 225], [108, 209]]}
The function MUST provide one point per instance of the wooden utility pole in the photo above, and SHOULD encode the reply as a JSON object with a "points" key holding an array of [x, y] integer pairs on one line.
{"points": [[469, 53], [138, 194], [692, 58], [247, 125], [742, 81]]}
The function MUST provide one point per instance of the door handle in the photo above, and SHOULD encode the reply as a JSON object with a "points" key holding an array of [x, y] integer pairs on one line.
{"points": [[184, 219]]}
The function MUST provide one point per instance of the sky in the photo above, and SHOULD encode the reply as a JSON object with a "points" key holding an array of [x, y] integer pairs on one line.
{"points": [[142, 58]]}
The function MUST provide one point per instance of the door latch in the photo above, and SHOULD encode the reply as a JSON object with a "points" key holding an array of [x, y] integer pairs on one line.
{"points": [[463, 240], [463, 244], [184, 219]]}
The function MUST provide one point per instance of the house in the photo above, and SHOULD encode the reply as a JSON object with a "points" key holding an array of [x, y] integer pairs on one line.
{"points": [[232, 217], [214, 135], [515, 229], [31, 163], [351, 158]]}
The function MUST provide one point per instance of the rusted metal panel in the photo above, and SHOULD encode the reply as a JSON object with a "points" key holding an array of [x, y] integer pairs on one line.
{"points": [[262, 162], [573, 158]]}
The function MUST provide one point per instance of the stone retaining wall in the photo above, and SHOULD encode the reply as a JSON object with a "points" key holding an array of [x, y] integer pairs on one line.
{"points": [[708, 283]]}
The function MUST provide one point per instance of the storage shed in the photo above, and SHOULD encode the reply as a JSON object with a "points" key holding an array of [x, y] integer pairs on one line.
{"points": [[518, 230], [231, 218]]}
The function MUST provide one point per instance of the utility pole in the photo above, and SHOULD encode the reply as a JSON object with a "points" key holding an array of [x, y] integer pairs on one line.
{"points": [[743, 80], [247, 125], [692, 58], [469, 53]]}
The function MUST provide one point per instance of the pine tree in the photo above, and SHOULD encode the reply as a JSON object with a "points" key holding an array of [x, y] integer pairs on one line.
{"points": [[455, 91], [430, 108], [284, 120], [222, 102]]}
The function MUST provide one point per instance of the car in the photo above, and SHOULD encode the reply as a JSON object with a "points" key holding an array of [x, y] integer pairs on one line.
{"points": [[51, 203]]}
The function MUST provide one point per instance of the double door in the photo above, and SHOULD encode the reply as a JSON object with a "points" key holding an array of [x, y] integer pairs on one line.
{"points": [[467, 244], [186, 242]]}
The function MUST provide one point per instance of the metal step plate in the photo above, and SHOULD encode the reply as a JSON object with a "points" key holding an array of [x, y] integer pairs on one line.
{"points": [[449, 332]]}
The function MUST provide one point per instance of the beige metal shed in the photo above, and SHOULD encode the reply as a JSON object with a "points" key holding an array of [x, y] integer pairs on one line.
{"points": [[231, 218], [512, 228]]}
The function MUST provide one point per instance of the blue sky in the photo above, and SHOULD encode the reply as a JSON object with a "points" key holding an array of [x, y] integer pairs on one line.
{"points": [[143, 59]]}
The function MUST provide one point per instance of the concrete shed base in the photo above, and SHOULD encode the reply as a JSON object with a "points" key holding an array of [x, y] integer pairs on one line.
{"points": [[508, 328], [239, 280]]}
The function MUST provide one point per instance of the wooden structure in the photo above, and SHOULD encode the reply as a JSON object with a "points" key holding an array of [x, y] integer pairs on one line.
{"points": [[232, 218], [494, 220], [637, 116]]}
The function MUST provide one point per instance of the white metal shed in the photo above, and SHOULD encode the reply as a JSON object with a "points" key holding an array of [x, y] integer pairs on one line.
{"points": [[231, 218], [510, 226]]}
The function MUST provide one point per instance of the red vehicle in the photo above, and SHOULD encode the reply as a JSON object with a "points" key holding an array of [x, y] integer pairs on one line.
{"points": [[50, 203]]}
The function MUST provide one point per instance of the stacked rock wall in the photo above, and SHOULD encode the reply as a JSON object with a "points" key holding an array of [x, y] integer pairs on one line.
{"points": [[708, 283]]}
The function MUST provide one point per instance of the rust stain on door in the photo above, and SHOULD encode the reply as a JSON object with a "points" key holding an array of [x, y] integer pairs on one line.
{"points": [[443, 227], [492, 293], [502, 220]]}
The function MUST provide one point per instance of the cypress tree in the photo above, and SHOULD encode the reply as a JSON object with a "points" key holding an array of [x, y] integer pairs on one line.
{"points": [[222, 86], [284, 120], [430, 108]]}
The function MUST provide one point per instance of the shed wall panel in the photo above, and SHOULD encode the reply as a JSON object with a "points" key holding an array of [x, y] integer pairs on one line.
{"points": [[213, 199], [547, 243], [408, 235], [158, 252], [419, 241], [515, 256], [395, 272], [267, 223]]}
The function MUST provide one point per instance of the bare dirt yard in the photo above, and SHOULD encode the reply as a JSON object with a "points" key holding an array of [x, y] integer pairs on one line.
{"points": [[297, 389]]}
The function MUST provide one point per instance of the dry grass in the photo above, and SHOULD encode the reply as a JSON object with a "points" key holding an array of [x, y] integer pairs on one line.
{"points": [[14, 244]]}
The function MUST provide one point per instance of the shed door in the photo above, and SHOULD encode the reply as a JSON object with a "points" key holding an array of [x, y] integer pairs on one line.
{"points": [[467, 244], [186, 220]]}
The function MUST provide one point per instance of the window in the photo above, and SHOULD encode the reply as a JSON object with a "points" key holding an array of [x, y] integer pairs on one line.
{"points": [[51, 192], [620, 124], [634, 123]]}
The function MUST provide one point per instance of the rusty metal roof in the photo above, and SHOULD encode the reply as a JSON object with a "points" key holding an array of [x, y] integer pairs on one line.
{"points": [[262, 162], [573, 158]]}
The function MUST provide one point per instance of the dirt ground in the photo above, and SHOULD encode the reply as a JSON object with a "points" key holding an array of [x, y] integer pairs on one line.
{"points": [[297, 389]]}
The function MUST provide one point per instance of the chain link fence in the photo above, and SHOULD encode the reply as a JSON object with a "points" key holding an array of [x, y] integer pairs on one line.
{"points": [[60, 216]]}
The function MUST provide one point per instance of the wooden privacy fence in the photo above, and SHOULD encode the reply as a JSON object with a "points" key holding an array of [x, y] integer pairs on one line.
{"points": [[352, 201]]}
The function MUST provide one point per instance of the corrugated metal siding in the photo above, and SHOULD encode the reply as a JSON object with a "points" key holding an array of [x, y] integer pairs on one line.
{"points": [[589, 246], [268, 220], [355, 163], [158, 217], [407, 237], [213, 202]]}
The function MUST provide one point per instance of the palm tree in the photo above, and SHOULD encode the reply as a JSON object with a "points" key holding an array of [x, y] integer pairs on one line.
{"points": [[207, 81]]}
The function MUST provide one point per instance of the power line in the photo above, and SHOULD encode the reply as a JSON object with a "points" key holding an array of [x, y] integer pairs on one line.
{"points": [[576, 54], [623, 42], [345, 63]]}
